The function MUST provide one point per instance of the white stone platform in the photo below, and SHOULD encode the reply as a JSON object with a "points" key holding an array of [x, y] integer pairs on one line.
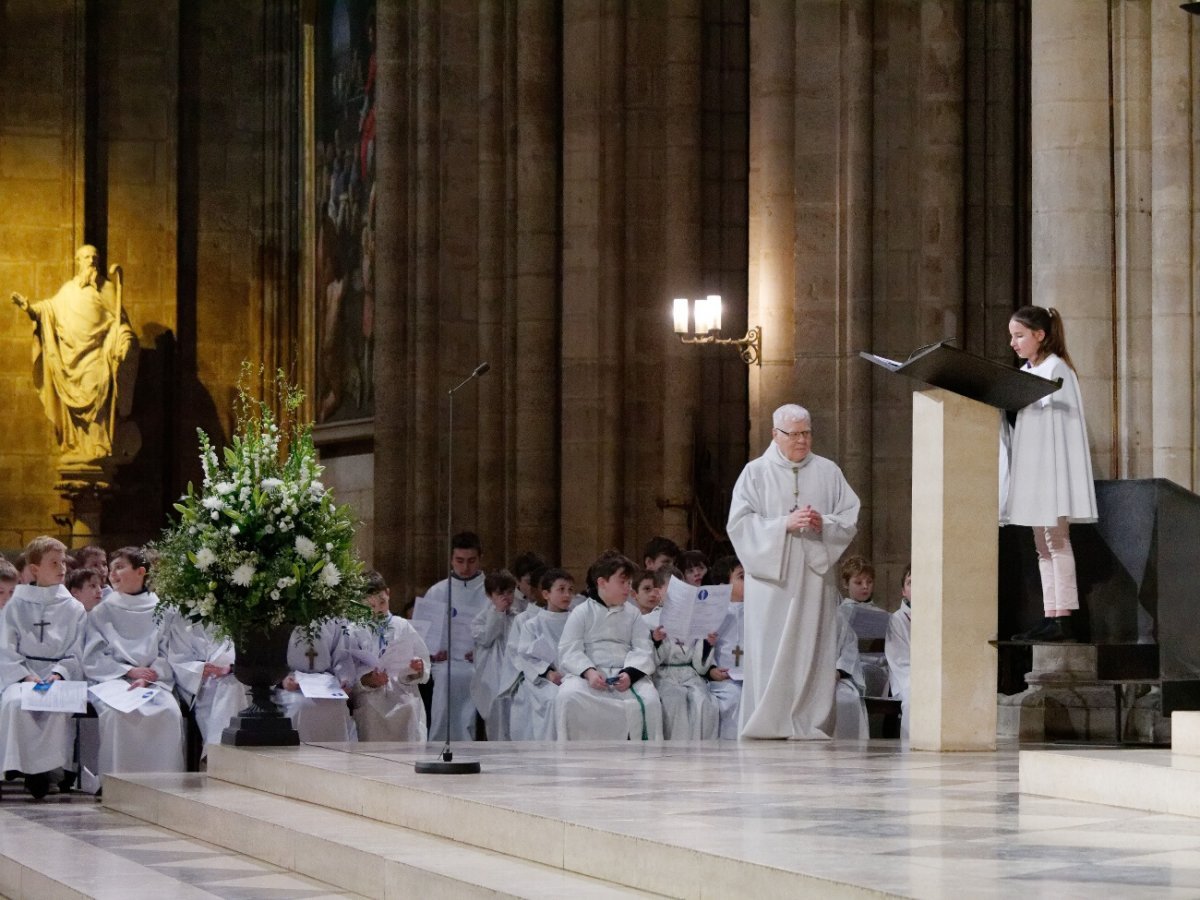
{"points": [[1159, 781], [718, 819]]}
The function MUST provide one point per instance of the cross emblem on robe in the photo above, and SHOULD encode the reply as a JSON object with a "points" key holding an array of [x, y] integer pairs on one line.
{"points": [[41, 626], [738, 653], [310, 654]]}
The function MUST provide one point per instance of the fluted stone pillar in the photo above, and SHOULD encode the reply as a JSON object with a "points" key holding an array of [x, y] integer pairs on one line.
{"points": [[1072, 221]]}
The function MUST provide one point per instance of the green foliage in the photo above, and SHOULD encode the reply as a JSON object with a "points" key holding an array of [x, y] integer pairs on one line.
{"points": [[262, 544]]}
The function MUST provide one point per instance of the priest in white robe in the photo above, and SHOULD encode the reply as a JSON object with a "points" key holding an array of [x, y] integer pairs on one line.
{"points": [[453, 707], [791, 518], [41, 637], [607, 658], [125, 643], [204, 680], [319, 719]]}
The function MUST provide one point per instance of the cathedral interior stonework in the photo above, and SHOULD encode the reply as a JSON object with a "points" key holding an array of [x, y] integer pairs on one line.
{"points": [[376, 198]]}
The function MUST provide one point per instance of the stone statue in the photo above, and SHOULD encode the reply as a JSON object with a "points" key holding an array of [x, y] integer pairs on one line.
{"points": [[85, 363]]}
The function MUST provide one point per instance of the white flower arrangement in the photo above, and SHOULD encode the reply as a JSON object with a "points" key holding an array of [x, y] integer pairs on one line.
{"points": [[262, 544]]}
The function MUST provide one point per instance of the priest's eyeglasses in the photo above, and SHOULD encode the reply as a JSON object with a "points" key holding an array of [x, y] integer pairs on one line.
{"points": [[796, 435]]}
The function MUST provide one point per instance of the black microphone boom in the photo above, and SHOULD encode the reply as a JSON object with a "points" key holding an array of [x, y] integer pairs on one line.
{"points": [[481, 369]]}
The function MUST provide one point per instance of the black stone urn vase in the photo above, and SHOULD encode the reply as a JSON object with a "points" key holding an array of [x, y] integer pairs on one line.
{"points": [[260, 664]]}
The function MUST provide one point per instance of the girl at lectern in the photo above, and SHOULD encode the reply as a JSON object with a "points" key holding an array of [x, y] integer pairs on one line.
{"points": [[1050, 481]]}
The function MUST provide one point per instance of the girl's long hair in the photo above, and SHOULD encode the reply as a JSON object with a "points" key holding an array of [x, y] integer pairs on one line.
{"points": [[1038, 318]]}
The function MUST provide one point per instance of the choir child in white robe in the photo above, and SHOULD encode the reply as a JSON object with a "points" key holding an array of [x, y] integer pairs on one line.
{"points": [[1050, 467], [387, 703], [694, 566], [851, 713], [9, 576], [868, 620], [41, 639], [607, 658], [452, 705], [525, 568], [660, 551], [84, 585], [319, 719], [204, 677], [536, 658], [690, 712], [898, 647], [791, 518], [124, 643], [728, 653], [94, 557], [495, 677], [536, 603]]}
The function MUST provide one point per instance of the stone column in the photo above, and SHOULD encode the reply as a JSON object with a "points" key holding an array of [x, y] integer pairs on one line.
{"points": [[1072, 233], [1173, 359]]}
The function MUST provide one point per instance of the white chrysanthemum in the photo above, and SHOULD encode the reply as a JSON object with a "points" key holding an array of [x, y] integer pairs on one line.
{"points": [[224, 487], [205, 558], [242, 574], [305, 547], [330, 576], [213, 503], [270, 484], [317, 488]]}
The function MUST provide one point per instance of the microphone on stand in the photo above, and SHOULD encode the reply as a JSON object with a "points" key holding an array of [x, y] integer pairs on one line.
{"points": [[446, 764]]}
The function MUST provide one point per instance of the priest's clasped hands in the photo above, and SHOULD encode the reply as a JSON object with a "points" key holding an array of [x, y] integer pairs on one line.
{"points": [[804, 519]]}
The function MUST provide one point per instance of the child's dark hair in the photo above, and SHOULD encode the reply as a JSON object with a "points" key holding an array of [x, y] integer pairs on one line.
{"points": [[611, 553], [608, 566], [722, 570], [643, 575], [907, 572], [549, 576], [9, 572], [856, 565], [498, 582], [135, 556], [661, 546], [526, 564], [1038, 318], [375, 582], [84, 555], [77, 578], [689, 559], [466, 540]]}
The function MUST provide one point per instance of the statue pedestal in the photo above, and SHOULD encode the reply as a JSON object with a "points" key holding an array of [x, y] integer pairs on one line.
{"points": [[84, 487]]}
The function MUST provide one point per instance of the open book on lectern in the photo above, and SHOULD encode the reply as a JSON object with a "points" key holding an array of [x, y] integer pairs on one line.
{"points": [[942, 366]]}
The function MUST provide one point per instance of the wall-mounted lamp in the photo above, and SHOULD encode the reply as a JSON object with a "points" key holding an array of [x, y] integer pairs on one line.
{"points": [[705, 315]]}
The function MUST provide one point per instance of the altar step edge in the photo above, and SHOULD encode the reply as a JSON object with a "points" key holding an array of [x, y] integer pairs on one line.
{"points": [[353, 853]]}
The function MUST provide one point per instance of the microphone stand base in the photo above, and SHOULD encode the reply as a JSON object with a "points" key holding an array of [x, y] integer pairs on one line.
{"points": [[444, 767]]}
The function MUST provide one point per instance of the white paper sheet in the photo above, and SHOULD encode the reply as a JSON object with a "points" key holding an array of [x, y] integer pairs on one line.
{"points": [[433, 613], [736, 674], [118, 694], [320, 686], [395, 660], [691, 613], [63, 697]]}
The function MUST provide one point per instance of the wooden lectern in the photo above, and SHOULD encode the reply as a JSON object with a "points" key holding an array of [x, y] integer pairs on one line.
{"points": [[955, 539]]}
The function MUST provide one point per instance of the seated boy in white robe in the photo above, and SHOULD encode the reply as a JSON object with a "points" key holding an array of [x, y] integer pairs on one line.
{"points": [[606, 657], [525, 569], [850, 709], [319, 719], [495, 678], [868, 620], [898, 647], [385, 697], [727, 655], [84, 585], [690, 712], [536, 658], [204, 678], [126, 646], [41, 640]]}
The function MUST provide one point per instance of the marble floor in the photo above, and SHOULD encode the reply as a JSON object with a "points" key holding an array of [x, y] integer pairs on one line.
{"points": [[871, 816], [845, 819]]}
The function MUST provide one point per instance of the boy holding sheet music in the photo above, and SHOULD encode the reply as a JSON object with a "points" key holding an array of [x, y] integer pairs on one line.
{"points": [[392, 660], [41, 646], [685, 628], [314, 695], [125, 658], [725, 676], [536, 658]]}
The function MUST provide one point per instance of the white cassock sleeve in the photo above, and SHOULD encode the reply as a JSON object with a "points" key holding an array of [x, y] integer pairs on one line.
{"points": [[761, 540], [571, 656]]}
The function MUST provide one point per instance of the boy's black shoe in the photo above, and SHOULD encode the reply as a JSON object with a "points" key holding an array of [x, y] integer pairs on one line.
{"points": [[11, 775], [37, 785], [66, 782]]}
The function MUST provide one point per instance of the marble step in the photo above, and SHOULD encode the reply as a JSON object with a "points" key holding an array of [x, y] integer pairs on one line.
{"points": [[74, 848], [358, 854], [1158, 781]]}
